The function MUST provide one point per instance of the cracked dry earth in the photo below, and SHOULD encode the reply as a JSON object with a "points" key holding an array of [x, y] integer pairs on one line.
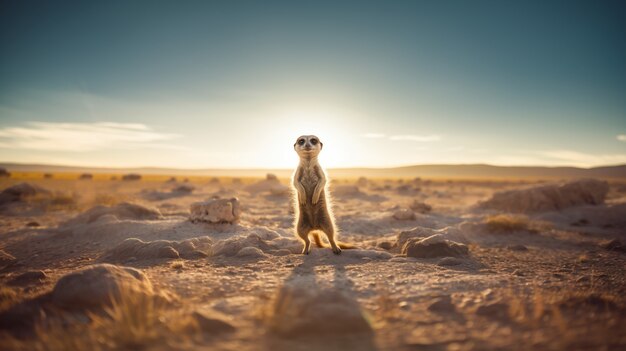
{"points": [[554, 283]]}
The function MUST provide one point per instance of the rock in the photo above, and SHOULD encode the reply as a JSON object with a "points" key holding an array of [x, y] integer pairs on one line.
{"points": [[251, 252], [551, 197], [420, 207], [302, 308], [48, 176], [4, 173], [417, 232], [171, 180], [449, 261], [499, 310], [124, 210], [21, 191], [271, 176], [183, 189], [404, 214], [442, 305], [131, 176], [33, 224], [362, 182], [517, 248], [29, 277], [86, 176], [212, 324], [386, 245], [216, 211], [434, 246], [99, 285], [167, 252], [142, 250], [232, 246], [613, 245], [346, 190], [6, 259]]}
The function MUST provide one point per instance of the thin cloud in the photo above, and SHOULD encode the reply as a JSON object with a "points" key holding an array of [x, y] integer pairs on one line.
{"points": [[419, 138], [621, 137], [373, 135], [80, 137], [581, 159]]}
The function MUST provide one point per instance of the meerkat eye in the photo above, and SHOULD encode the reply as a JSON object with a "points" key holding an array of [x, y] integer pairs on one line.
{"points": [[301, 142], [314, 141]]}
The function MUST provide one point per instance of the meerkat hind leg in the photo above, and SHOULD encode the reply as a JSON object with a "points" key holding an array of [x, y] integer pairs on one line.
{"points": [[329, 230], [304, 235]]}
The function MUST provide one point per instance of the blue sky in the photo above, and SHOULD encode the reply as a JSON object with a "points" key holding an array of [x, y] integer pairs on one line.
{"points": [[232, 84]]}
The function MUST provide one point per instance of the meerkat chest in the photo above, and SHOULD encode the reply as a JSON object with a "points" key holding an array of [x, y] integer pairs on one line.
{"points": [[310, 178]]}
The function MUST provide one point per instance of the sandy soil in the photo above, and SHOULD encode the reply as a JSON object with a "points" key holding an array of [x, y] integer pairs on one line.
{"points": [[548, 280]]}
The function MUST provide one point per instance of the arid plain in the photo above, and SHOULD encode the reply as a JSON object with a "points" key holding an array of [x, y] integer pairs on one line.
{"points": [[440, 264]]}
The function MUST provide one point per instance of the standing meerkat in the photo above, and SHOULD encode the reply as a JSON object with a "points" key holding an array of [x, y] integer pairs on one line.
{"points": [[314, 213]]}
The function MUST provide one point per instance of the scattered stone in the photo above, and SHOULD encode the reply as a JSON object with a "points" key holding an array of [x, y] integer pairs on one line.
{"points": [[434, 246], [216, 211], [442, 305], [551, 197], [171, 180], [47, 176], [183, 189], [142, 250], [420, 207], [517, 247], [4, 173], [29, 277], [613, 245], [346, 190], [417, 232], [99, 285], [498, 310], [271, 176], [21, 191], [131, 176], [251, 252], [86, 176], [404, 214], [386, 245], [449, 261], [212, 324]]}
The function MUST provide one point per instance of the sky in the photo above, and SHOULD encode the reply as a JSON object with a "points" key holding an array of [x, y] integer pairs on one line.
{"points": [[232, 84]]}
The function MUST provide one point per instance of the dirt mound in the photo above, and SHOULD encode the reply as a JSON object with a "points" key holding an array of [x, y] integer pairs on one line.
{"points": [[137, 249], [232, 246], [434, 246], [124, 210], [302, 309], [216, 211], [551, 197], [21, 191], [420, 207], [99, 285], [404, 214]]}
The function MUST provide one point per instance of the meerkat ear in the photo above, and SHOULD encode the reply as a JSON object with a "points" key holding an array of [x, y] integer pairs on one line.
{"points": [[294, 145], [321, 145]]}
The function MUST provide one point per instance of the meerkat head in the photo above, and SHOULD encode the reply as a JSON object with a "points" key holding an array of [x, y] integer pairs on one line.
{"points": [[308, 146]]}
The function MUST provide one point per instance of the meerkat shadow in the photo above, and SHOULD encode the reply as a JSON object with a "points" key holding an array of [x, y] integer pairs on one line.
{"points": [[312, 312]]}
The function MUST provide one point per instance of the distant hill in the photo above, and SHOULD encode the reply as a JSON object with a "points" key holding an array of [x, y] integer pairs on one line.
{"points": [[425, 171]]}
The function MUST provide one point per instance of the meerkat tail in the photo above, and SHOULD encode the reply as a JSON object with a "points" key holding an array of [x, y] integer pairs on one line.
{"points": [[346, 246]]}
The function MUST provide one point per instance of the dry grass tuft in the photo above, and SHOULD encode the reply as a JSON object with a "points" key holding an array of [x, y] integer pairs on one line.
{"points": [[132, 322], [508, 223], [179, 264]]}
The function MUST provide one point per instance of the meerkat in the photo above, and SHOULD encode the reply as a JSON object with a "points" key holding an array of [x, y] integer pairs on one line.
{"points": [[314, 213]]}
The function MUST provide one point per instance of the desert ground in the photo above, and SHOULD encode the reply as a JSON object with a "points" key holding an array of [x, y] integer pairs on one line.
{"points": [[112, 264]]}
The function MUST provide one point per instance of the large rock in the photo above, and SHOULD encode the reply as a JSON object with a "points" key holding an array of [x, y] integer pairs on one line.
{"points": [[301, 309], [99, 285], [216, 211], [123, 210], [434, 246], [551, 197]]}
